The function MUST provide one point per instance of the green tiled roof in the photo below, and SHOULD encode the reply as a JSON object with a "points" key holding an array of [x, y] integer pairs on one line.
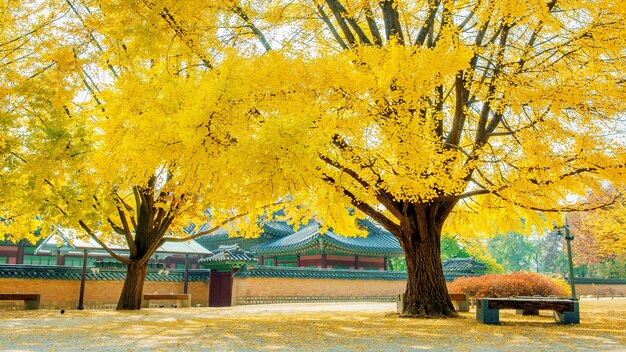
{"points": [[465, 265], [67, 240], [229, 257], [221, 237], [378, 242], [316, 273], [332, 274], [230, 254], [277, 228], [220, 234], [74, 273]]}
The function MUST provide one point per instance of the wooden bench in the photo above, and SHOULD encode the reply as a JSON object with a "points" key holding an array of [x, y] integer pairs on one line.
{"points": [[31, 300], [565, 310], [459, 301], [182, 299]]}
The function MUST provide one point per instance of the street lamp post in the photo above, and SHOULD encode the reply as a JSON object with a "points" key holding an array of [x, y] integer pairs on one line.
{"points": [[568, 238]]}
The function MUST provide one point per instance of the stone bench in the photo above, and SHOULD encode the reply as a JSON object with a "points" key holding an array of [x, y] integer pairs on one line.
{"points": [[565, 310], [182, 299], [31, 300]]}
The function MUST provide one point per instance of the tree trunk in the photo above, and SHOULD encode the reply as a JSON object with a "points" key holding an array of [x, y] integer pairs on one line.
{"points": [[426, 292], [132, 292]]}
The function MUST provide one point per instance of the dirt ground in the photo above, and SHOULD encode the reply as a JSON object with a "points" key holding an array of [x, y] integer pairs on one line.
{"points": [[307, 327]]}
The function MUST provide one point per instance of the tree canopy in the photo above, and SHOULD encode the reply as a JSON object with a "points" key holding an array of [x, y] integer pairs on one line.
{"points": [[427, 116], [129, 143]]}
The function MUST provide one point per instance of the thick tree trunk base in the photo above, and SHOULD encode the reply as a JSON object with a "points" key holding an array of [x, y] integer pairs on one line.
{"points": [[426, 294], [132, 292], [452, 314]]}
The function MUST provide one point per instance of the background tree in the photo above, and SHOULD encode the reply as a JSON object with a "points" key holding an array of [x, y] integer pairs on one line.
{"points": [[469, 246], [553, 256], [451, 248], [516, 252], [599, 246]]}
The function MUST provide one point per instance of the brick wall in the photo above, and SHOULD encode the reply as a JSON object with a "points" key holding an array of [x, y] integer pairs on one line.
{"points": [[601, 289], [280, 290], [57, 294]]}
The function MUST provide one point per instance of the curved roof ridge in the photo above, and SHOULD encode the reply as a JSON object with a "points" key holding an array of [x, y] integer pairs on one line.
{"points": [[299, 240], [374, 242]]}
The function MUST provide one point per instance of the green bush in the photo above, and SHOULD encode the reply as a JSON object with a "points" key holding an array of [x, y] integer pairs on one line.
{"points": [[506, 285]]}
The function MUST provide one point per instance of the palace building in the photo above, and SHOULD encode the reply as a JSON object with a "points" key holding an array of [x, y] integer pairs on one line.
{"points": [[311, 246]]}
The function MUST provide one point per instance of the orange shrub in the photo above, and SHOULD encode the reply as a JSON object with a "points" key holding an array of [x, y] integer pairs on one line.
{"points": [[564, 285], [506, 285]]}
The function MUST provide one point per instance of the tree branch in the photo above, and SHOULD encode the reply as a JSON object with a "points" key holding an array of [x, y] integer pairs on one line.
{"points": [[216, 227], [127, 233], [345, 170], [355, 26], [239, 11], [332, 28], [561, 209], [103, 245], [430, 21], [458, 122], [371, 23], [342, 22], [364, 207], [92, 38], [178, 29], [450, 198], [392, 21]]}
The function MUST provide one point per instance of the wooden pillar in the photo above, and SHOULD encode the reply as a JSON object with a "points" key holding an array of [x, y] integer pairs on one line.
{"points": [[356, 262], [186, 277], [81, 296], [213, 289], [385, 263], [19, 256], [324, 260], [276, 261], [261, 260], [298, 260], [60, 259]]}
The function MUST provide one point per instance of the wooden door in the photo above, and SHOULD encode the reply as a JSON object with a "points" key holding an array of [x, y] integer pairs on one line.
{"points": [[226, 290], [220, 289]]}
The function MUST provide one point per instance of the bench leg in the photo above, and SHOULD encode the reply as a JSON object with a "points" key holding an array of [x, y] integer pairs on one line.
{"points": [[461, 306], [32, 304], [568, 317], [486, 315], [145, 303]]}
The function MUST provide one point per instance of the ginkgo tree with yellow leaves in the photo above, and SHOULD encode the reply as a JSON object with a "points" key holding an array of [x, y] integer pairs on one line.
{"points": [[24, 96], [427, 116], [469, 117], [128, 142]]}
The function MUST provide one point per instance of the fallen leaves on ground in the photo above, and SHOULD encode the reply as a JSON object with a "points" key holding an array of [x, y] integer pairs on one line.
{"points": [[291, 328]]}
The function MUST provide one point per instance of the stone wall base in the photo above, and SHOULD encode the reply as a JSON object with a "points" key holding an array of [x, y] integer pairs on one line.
{"points": [[310, 299]]}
